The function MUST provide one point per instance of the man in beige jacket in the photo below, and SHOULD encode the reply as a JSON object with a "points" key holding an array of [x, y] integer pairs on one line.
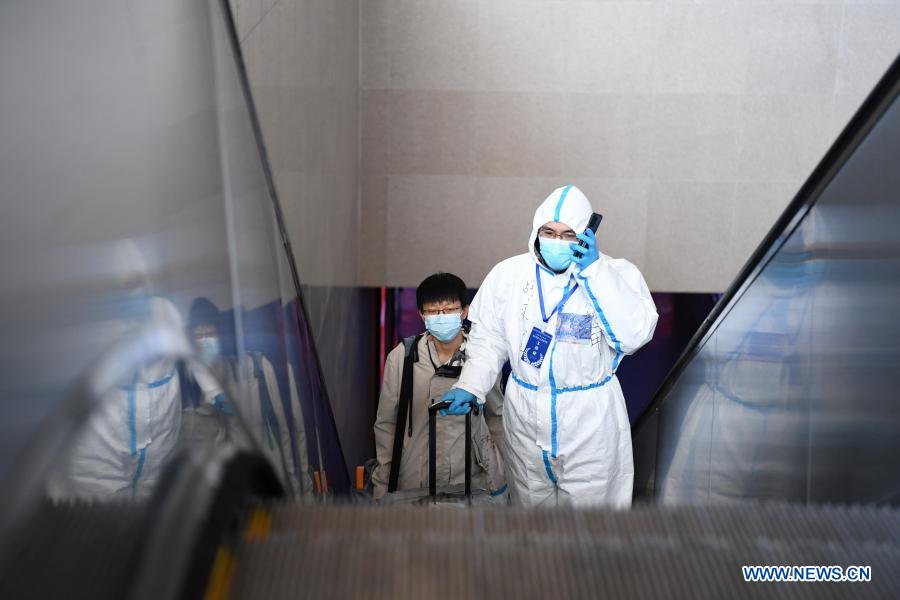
{"points": [[436, 358]]}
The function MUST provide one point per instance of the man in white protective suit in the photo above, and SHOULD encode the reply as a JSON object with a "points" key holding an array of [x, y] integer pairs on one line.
{"points": [[564, 316]]}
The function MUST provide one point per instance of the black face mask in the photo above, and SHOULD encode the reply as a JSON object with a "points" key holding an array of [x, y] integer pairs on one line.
{"points": [[448, 371]]}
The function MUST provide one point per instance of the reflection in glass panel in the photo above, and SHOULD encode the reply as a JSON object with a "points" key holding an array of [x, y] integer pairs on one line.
{"points": [[325, 448], [255, 359], [133, 429], [174, 229], [306, 448], [792, 396], [153, 333]]}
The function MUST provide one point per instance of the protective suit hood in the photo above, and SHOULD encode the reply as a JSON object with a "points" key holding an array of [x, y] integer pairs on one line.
{"points": [[566, 204]]}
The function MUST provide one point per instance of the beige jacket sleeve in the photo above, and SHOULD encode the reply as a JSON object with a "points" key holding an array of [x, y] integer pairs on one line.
{"points": [[493, 416], [386, 420]]}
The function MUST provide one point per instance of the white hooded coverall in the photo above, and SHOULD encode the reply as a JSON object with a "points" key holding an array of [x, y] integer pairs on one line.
{"points": [[566, 424], [128, 440]]}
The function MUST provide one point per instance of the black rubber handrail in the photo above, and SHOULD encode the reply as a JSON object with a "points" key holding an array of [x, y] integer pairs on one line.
{"points": [[60, 429], [871, 111]]}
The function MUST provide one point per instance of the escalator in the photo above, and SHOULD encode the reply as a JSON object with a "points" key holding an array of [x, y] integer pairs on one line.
{"points": [[88, 548], [772, 441], [277, 549], [787, 391], [649, 552]]}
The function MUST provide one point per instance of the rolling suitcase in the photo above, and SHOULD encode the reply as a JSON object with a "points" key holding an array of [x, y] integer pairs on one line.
{"points": [[446, 495], [432, 450]]}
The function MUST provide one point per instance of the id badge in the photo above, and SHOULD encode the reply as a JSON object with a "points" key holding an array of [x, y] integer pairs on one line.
{"points": [[574, 328], [536, 347]]}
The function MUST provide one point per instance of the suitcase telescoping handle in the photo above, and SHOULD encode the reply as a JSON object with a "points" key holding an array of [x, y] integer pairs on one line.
{"points": [[432, 448]]}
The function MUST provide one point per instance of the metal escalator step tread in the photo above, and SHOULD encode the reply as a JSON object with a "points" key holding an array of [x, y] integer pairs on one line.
{"points": [[647, 552], [74, 550]]}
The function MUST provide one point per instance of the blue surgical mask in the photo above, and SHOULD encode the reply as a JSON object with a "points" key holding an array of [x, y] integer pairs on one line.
{"points": [[208, 349], [132, 305], [444, 327], [557, 253]]}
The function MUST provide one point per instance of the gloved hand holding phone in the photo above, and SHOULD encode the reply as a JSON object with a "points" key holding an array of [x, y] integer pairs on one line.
{"points": [[586, 252]]}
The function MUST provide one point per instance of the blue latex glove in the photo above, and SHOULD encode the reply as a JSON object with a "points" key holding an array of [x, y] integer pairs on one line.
{"points": [[462, 402], [222, 404], [588, 255]]}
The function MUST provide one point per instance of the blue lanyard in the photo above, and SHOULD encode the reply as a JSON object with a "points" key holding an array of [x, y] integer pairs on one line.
{"points": [[566, 296]]}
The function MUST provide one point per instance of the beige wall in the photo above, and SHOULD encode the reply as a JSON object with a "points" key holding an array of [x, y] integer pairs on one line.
{"points": [[690, 125]]}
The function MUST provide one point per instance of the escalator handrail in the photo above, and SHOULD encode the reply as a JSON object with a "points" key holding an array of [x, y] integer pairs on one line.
{"points": [[856, 130], [26, 482]]}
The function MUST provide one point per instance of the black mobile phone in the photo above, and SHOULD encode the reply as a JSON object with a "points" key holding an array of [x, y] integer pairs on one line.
{"points": [[593, 225]]}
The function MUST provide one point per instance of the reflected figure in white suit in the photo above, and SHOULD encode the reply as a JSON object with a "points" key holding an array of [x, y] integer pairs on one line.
{"points": [[133, 432], [249, 383]]}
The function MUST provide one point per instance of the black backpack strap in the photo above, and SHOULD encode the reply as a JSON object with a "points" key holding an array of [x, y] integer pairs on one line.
{"points": [[404, 408], [191, 394]]}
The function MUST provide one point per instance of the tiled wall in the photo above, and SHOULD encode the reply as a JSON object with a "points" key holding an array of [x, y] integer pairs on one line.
{"points": [[690, 125]]}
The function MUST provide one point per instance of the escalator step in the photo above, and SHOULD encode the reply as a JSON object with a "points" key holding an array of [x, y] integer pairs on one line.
{"points": [[74, 550], [648, 552]]}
